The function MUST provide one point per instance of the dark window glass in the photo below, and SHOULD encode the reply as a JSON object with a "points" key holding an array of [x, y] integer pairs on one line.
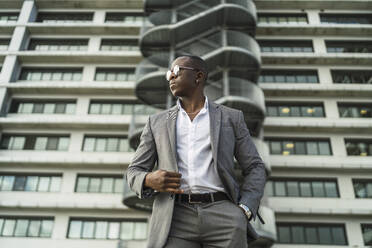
{"points": [[367, 233], [8, 17], [299, 147], [19, 184], [311, 233], [362, 188], [31, 142], [275, 18], [94, 184], [287, 76], [352, 110], [64, 17], [349, 46], [108, 229], [346, 18], [294, 109], [286, 46], [114, 74], [127, 18], [351, 77], [358, 147], [304, 188], [119, 45], [58, 45], [50, 74], [30, 183]]}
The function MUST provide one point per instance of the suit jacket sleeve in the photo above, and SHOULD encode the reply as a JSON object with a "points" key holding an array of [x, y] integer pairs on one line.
{"points": [[142, 163], [253, 168]]}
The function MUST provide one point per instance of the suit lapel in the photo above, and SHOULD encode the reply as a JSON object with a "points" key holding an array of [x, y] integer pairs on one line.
{"points": [[214, 125], [171, 126]]}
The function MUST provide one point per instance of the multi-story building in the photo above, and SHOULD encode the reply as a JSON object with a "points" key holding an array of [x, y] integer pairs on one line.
{"points": [[73, 100]]}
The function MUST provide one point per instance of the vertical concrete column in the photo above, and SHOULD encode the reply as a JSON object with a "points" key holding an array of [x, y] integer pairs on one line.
{"points": [[68, 182], [338, 147], [354, 234], [319, 45], [325, 76], [82, 105], [88, 73], [313, 17], [346, 188], [60, 227], [99, 17], [28, 12], [331, 109], [94, 44], [76, 141]]}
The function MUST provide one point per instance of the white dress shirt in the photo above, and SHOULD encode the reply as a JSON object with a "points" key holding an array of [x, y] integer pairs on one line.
{"points": [[194, 152]]}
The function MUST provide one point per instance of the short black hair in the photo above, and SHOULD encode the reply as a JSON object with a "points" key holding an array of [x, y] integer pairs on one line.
{"points": [[197, 62]]}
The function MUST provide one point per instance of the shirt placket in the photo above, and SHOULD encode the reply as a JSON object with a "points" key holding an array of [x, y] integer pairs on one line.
{"points": [[191, 138]]}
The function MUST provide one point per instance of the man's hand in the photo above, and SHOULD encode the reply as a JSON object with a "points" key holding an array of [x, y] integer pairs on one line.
{"points": [[164, 181]]}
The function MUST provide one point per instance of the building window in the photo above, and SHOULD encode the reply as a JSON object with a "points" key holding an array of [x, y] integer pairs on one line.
{"points": [[351, 77], [30, 183], [50, 74], [352, 110], [42, 107], [294, 110], [349, 46], [99, 184], [285, 76], [127, 18], [64, 17], [273, 18], [4, 44], [58, 45], [311, 233], [120, 108], [119, 45], [346, 18], [358, 147], [106, 144], [281, 146], [26, 226], [367, 233], [114, 74], [362, 188], [135, 229], [288, 187], [8, 17], [286, 46], [34, 142]]}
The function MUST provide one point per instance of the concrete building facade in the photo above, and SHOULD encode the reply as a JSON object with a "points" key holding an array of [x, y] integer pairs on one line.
{"points": [[69, 105]]}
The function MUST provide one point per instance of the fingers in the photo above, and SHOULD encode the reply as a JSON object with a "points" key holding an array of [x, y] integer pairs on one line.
{"points": [[173, 174], [172, 180]]}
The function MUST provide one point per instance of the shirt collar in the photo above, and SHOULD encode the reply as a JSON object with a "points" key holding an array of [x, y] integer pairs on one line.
{"points": [[204, 109]]}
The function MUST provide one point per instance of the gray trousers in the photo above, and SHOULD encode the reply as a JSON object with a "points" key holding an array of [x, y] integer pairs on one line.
{"points": [[205, 225]]}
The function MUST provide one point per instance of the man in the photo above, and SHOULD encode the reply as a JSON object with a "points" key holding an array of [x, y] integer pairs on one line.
{"points": [[198, 202]]}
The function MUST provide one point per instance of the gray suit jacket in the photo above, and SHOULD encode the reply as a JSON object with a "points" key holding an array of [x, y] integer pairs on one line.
{"points": [[229, 137]]}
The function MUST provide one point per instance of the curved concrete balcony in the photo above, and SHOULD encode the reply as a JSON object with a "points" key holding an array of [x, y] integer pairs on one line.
{"points": [[131, 200], [267, 231]]}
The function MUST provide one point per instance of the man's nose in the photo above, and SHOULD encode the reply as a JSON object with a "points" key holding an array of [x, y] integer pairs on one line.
{"points": [[172, 75]]}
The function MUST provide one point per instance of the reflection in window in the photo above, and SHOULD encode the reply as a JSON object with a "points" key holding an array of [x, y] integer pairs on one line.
{"points": [[358, 147], [287, 18], [64, 17], [309, 233], [34, 142], [99, 184], [349, 46], [362, 188], [301, 188], [299, 147], [126, 18], [108, 229], [119, 45], [26, 227], [286, 46], [50, 74], [35, 183], [106, 144], [294, 110], [286, 76], [351, 77], [120, 108], [42, 107], [58, 45], [346, 18], [367, 233], [8, 17], [355, 110], [4, 44]]}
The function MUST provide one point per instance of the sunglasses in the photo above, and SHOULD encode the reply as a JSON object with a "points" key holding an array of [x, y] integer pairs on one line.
{"points": [[176, 71]]}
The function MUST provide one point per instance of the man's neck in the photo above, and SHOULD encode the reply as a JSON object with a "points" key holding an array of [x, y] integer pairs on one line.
{"points": [[192, 104]]}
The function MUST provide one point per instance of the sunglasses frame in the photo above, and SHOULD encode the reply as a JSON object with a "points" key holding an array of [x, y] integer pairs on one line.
{"points": [[176, 71]]}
